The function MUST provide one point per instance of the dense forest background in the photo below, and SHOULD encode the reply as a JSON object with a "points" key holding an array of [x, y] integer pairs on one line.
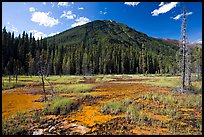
{"points": [[106, 48]]}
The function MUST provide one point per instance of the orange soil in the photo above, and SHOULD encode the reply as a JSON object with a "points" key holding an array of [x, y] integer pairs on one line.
{"points": [[14, 101], [149, 131], [91, 115]]}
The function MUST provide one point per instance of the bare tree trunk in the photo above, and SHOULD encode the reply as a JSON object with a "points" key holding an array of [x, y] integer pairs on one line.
{"points": [[53, 92], [43, 89], [16, 78], [188, 65], [183, 65], [9, 78], [183, 70]]}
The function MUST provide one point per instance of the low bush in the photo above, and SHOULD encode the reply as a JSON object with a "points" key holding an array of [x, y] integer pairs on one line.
{"points": [[113, 107], [74, 88], [116, 106], [135, 116], [60, 105]]}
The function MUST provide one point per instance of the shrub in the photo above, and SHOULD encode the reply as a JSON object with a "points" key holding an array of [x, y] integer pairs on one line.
{"points": [[74, 88], [60, 105], [113, 107], [135, 116], [116, 106]]}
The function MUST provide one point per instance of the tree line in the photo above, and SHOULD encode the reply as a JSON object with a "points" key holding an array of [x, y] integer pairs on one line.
{"points": [[25, 55]]}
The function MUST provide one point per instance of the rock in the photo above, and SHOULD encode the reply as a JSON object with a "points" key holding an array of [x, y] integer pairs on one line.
{"points": [[38, 132], [52, 128], [78, 129], [41, 99]]}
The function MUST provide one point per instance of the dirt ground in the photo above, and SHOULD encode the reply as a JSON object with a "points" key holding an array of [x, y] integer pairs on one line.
{"points": [[89, 114]]}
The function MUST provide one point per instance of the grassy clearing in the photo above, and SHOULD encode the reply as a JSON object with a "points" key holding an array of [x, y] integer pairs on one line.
{"points": [[171, 82], [115, 106], [60, 105], [65, 79], [189, 100], [105, 78], [22, 81], [133, 111], [87, 96], [74, 88], [178, 108], [133, 115]]}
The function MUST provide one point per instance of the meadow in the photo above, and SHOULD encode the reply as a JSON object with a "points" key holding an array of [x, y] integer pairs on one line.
{"points": [[101, 104]]}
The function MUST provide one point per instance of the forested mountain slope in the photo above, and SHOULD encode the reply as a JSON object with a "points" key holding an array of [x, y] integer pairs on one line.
{"points": [[98, 47]]}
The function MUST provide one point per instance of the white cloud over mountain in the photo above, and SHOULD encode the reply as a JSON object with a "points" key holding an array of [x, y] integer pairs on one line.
{"points": [[37, 34], [80, 21], [43, 18]]}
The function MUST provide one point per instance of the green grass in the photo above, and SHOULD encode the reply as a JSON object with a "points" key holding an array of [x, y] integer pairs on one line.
{"points": [[65, 79], [171, 82], [84, 96], [189, 100], [73, 88], [105, 78], [16, 125], [60, 105], [115, 106], [22, 81]]}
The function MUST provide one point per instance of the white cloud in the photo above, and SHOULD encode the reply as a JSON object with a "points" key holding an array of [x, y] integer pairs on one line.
{"points": [[200, 41], [52, 4], [80, 21], [81, 8], [165, 8], [189, 13], [14, 29], [32, 9], [37, 34], [101, 12], [43, 18], [180, 15], [161, 4], [11, 27], [132, 3], [44, 3], [62, 4], [177, 17], [68, 15], [53, 33]]}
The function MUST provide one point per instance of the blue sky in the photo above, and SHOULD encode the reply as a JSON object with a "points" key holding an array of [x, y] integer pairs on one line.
{"points": [[156, 19]]}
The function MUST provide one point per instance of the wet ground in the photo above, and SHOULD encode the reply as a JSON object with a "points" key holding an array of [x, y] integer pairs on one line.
{"points": [[89, 119]]}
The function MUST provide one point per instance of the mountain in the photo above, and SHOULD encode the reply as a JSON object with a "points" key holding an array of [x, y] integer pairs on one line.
{"points": [[128, 50], [107, 31], [178, 43], [98, 47]]}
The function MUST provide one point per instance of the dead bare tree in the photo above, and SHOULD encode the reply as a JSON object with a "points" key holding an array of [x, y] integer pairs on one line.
{"points": [[188, 66], [183, 65], [186, 57], [43, 73]]}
